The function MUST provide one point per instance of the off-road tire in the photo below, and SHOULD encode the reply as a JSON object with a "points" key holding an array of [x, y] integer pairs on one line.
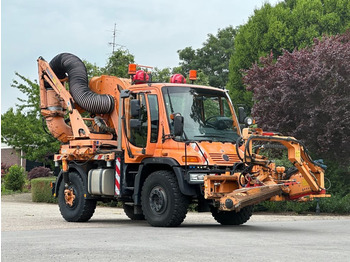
{"points": [[82, 208], [232, 217], [129, 212], [163, 204]]}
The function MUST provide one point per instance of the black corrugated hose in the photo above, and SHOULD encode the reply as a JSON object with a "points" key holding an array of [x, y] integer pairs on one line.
{"points": [[71, 65]]}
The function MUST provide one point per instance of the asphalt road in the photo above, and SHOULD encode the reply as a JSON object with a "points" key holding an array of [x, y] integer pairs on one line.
{"points": [[36, 232]]}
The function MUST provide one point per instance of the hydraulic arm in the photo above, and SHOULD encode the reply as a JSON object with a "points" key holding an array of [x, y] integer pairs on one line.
{"points": [[260, 179]]}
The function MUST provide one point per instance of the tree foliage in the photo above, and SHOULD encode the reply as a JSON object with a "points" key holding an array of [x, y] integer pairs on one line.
{"points": [[288, 25], [22, 128], [117, 65], [212, 60], [306, 94], [118, 62]]}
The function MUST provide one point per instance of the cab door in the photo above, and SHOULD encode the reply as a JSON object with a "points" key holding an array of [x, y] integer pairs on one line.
{"points": [[142, 129]]}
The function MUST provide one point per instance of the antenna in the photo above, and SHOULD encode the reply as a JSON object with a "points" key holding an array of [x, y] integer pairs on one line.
{"points": [[113, 44]]}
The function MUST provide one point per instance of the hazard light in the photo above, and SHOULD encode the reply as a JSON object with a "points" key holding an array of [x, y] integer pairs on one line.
{"points": [[193, 75], [140, 77], [178, 78], [132, 69]]}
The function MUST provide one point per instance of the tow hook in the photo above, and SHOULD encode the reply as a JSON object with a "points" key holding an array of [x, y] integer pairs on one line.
{"points": [[69, 196]]}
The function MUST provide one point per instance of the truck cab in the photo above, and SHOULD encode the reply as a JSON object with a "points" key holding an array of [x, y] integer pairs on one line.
{"points": [[206, 143]]}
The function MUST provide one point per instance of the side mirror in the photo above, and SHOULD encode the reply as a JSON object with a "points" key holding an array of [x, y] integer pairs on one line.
{"points": [[135, 123], [178, 125], [243, 119], [242, 115], [135, 108]]}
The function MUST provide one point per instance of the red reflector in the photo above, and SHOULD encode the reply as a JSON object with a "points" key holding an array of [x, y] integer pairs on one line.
{"points": [[268, 134]]}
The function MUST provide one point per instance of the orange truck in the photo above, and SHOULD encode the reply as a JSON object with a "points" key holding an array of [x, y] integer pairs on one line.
{"points": [[158, 147]]}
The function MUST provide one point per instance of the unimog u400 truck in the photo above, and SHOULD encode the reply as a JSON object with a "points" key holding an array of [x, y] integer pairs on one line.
{"points": [[157, 147]]}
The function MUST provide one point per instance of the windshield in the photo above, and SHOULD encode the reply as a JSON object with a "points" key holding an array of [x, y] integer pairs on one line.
{"points": [[207, 114]]}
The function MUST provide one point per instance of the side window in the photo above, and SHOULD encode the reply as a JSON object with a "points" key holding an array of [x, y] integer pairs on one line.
{"points": [[138, 135], [154, 112]]}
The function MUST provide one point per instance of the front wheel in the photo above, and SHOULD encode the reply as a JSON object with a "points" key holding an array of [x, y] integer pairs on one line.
{"points": [[232, 217], [74, 207], [163, 204]]}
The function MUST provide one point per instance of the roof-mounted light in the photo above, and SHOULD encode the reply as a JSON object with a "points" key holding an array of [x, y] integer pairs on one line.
{"points": [[178, 78], [140, 77], [132, 69], [193, 75]]}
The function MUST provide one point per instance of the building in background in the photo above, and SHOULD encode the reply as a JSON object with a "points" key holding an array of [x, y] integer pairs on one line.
{"points": [[11, 156]]}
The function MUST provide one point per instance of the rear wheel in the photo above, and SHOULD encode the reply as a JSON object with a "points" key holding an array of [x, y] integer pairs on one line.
{"points": [[129, 211], [74, 207], [232, 217], [163, 204]]}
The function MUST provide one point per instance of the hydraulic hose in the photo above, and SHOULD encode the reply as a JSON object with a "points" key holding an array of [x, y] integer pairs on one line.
{"points": [[69, 64]]}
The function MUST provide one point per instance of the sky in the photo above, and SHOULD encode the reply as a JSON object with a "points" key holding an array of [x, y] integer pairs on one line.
{"points": [[153, 31]]}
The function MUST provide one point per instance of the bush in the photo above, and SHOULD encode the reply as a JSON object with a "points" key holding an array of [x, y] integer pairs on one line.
{"points": [[41, 190], [336, 204], [15, 179], [39, 171], [5, 191]]}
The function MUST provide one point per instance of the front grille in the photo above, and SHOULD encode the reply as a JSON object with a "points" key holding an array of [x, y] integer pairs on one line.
{"points": [[218, 158]]}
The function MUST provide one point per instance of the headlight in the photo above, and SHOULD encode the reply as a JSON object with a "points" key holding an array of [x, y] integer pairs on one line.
{"points": [[248, 121], [196, 177]]}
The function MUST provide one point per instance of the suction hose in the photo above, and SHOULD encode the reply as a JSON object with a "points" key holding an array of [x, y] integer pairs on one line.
{"points": [[71, 65]]}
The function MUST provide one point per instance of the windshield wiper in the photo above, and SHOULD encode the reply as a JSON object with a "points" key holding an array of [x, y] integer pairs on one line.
{"points": [[210, 140], [171, 104], [216, 136]]}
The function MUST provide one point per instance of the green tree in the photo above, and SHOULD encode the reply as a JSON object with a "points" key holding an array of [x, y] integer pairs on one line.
{"points": [[92, 69], [161, 75], [118, 63], [288, 25], [212, 60], [23, 128]]}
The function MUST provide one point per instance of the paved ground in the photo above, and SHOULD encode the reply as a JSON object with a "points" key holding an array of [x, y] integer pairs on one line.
{"points": [[37, 232]]}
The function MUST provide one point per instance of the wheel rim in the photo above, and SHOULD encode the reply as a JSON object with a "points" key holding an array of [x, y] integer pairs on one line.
{"points": [[69, 197], [158, 200]]}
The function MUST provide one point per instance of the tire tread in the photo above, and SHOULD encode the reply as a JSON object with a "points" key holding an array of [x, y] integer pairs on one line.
{"points": [[180, 201], [232, 217]]}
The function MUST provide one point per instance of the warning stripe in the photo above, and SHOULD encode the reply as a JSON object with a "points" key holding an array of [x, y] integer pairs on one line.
{"points": [[117, 176], [99, 157]]}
